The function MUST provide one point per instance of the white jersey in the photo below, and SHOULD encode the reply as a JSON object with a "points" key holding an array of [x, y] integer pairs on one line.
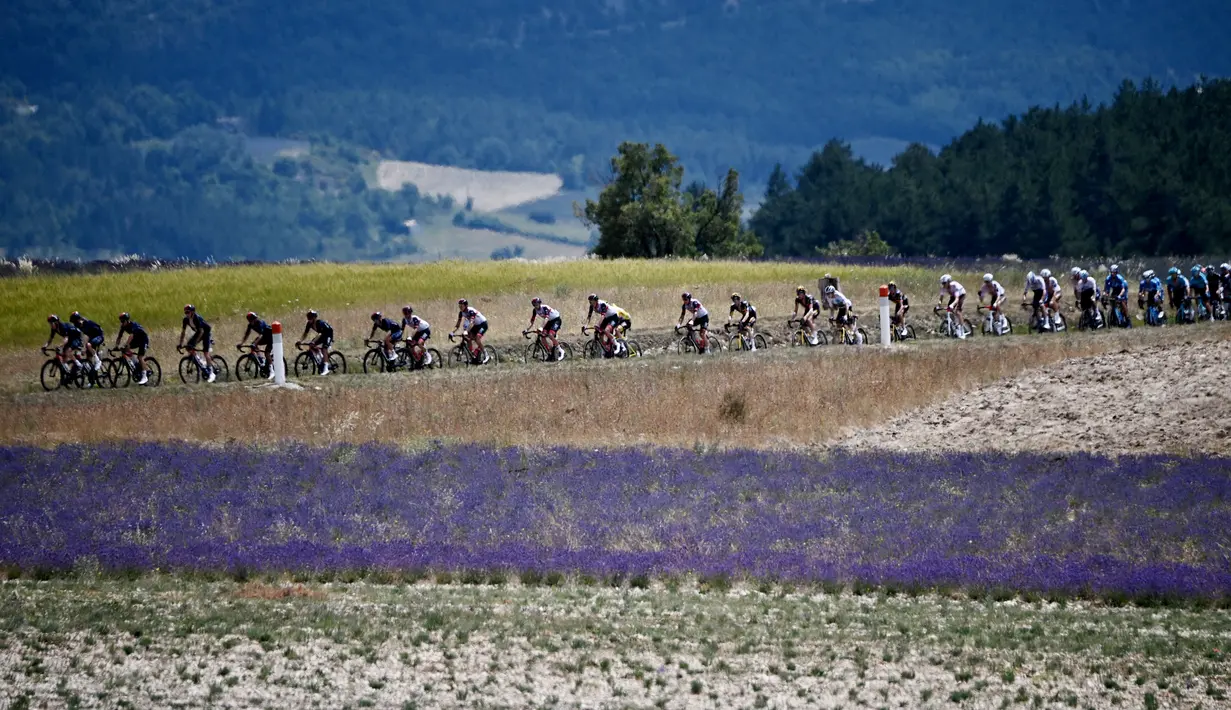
{"points": [[1087, 284], [1036, 283], [696, 309], [838, 300], [472, 317], [992, 290], [546, 312], [1053, 287], [418, 324], [952, 289]]}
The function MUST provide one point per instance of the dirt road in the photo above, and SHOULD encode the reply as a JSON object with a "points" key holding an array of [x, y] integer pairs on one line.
{"points": [[1161, 398]]}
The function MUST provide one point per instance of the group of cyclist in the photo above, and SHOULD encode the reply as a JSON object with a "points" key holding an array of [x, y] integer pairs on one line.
{"points": [[1207, 285]]}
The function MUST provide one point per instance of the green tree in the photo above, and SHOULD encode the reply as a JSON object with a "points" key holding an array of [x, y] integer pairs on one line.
{"points": [[640, 212]]}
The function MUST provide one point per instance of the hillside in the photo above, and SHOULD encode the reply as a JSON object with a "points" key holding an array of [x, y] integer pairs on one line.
{"points": [[129, 96]]}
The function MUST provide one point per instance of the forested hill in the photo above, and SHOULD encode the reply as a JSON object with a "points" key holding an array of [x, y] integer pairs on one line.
{"points": [[524, 84]]}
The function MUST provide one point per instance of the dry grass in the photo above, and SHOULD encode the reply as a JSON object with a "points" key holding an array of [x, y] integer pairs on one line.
{"points": [[346, 293], [779, 398], [490, 189], [261, 590]]}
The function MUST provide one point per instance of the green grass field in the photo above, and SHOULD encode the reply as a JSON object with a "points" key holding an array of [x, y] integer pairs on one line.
{"points": [[156, 298]]}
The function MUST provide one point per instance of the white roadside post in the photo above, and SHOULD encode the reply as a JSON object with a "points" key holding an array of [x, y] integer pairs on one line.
{"points": [[279, 367], [884, 304]]}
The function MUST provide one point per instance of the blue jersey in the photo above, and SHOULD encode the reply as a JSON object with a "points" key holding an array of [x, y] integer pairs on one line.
{"points": [[257, 326], [1198, 282], [388, 325], [90, 328], [1115, 284], [1151, 285], [1177, 286]]}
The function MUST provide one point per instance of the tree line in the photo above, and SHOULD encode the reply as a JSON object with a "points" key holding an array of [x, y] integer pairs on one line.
{"points": [[1147, 174]]}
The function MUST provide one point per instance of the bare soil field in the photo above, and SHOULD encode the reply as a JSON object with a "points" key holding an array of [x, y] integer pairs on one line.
{"points": [[160, 641], [490, 190], [1165, 397]]}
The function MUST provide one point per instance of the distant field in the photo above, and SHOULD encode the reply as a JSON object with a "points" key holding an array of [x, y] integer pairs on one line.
{"points": [[649, 289], [445, 241], [490, 190]]}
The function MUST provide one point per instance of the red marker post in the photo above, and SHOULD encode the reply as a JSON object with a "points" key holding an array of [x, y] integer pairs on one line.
{"points": [[884, 304], [279, 363]]}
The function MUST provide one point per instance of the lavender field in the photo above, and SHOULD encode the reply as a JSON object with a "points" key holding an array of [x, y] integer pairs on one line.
{"points": [[1142, 528]]}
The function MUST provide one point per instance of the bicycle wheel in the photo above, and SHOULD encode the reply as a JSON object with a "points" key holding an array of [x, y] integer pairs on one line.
{"points": [[592, 350], [190, 374], [1059, 323], [374, 361], [685, 346], [863, 336], [714, 345], [247, 368], [566, 350], [735, 343], [489, 356], [337, 363], [760, 342], [1006, 328], [535, 353], [458, 357], [153, 372], [970, 327], [49, 375], [102, 376], [119, 374], [305, 364], [222, 371]]}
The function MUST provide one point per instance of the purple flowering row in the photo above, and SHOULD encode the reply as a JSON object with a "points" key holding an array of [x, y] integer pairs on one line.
{"points": [[1153, 525]]}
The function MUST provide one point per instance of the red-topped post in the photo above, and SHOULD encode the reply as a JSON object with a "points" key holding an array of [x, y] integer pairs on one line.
{"points": [[279, 362], [884, 305]]}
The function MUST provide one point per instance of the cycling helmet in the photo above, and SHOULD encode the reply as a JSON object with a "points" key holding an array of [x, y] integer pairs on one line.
{"points": [[594, 297], [830, 290], [893, 286], [686, 296], [1173, 271], [189, 308], [1045, 273], [987, 278], [251, 316], [945, 279], [1224, 267], [1147, 274], [1076, 271], [1209, 267], [536, 301], [74, 316], [736, 297], [407, 309], [1084, 274], [1029, 275], [124, 317], [800, 289], [376, 316], [1196, 269], [463, 302], [1115, 269], [53, 318], [311, 315]]}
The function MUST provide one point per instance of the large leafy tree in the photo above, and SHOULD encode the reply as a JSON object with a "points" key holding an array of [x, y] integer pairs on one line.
{"points": [[642, 212]]}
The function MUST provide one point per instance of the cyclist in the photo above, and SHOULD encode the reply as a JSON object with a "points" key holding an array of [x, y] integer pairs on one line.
{"points": [[475, 325], [72, 339], [624, 322], [699, 317], [93, 338], [829, 280], [420, 332], [996, 295], [1199, 288], [1036, 285], [747, 318], [1075, 282], [1150, 290], [393, 333], [812, 309], [901, 304], [1177, 291], [323, 341], [608, 317], [1224, 278], [263, 337], [552, 322], [138, 340], [844, 308], [957, 298], [1053, 291], [1215, 281], [1088, 295], [201, 340], [1115, 289]]}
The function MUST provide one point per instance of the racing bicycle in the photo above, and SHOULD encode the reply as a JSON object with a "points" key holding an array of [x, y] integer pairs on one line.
{"points": [[741, 340], [125, 370], [58, 374], [949, 326], [254, 364], [595, 347], [800, 336], [193, 370], [537, 352], [306, 362], [995, 322], [688, 343], [461, 354]]}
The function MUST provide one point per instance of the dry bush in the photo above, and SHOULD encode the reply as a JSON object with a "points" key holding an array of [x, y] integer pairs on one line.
{"points": [[787, 396]]}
